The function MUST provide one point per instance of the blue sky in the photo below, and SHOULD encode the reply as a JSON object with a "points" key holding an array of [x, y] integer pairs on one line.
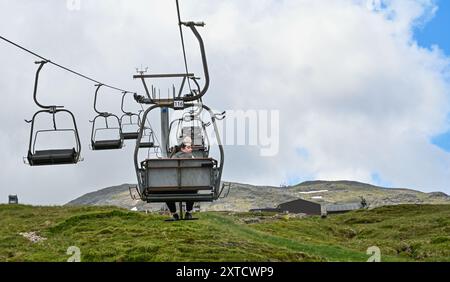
{"points": [[436, 32]]}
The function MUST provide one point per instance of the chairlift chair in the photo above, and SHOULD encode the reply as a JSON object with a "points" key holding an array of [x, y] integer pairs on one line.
{"points": [[179, 180], [148, 139], [52, 156], [129, 134], [108, 144], [197, 179]]}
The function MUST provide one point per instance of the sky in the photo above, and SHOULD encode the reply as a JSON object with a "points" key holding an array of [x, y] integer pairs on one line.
{"points": [[435, 33], [361, 88]]}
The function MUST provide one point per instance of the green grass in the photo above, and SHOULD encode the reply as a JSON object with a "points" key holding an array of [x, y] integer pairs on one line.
{"points": [[403, 233]]}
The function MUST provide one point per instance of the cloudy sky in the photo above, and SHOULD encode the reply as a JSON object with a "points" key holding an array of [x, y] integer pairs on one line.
{"points": [[362, 88]]}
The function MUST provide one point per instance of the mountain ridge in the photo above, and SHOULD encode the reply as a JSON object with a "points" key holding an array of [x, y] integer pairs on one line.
{"points": [[243, 197]]}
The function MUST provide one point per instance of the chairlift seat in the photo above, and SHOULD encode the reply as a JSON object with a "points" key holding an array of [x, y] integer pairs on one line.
{"points": [[53, 157], [130, 135], [107, 144], [163, 178]]}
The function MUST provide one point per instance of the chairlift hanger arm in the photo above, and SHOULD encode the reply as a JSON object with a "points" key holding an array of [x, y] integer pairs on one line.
{"points": [[36, 82], [103, 114], [121, 105], [123, 99], [203, 91]]}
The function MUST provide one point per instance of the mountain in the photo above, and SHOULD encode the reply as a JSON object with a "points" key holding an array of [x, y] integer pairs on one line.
{"points": [[243, 197]]}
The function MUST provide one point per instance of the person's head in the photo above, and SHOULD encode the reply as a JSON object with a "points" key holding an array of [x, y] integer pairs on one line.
{"points": [[186, 146]]}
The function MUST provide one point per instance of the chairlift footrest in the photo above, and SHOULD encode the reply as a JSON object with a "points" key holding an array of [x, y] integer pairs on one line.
{"points": [[53, 157], [130, 135], [107, 145], [158, 198]]}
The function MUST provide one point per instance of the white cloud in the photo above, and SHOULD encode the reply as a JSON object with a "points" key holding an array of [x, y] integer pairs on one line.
{"points": [[355, 91]]}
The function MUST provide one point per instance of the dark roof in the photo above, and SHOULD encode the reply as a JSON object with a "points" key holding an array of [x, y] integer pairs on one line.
{"points": [[301, 206], [298, 201]]}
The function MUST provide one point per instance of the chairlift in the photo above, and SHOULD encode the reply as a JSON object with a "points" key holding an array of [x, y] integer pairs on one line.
{"points": [[148, 139], [165, 179], [105, 144], [52, 156], [197, 179], [130, 134]]}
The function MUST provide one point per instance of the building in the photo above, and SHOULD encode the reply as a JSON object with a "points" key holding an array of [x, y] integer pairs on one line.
{"points": [[301, 206], [311, 208], [342, 208], [12, 199], [295, 206]]}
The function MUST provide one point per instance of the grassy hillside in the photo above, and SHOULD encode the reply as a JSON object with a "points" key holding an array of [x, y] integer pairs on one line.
{"points": [[403, 233], [243, 197]]}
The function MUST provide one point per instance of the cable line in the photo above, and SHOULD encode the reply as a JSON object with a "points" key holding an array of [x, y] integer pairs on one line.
{"points": [[182, 45], [60, 66]]}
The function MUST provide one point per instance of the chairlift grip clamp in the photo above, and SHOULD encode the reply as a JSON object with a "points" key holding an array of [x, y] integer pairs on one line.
{"points": [[53, 109], [191, 23], [43, 62]]}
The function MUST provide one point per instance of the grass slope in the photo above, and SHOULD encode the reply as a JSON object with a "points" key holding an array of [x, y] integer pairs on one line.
{"points": [[403, 233]]}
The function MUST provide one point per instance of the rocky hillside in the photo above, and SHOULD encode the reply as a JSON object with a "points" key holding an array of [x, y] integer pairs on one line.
{"points": [[243, 197]]}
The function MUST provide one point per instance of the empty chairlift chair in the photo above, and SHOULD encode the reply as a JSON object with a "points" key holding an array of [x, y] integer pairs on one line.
{"points": [[52, 156], [128, 121], [148, 139], [108, 143]]}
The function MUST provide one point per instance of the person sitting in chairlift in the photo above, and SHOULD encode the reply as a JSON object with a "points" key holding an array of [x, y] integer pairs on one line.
{"points": [[185, 149], [184, 153]]}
